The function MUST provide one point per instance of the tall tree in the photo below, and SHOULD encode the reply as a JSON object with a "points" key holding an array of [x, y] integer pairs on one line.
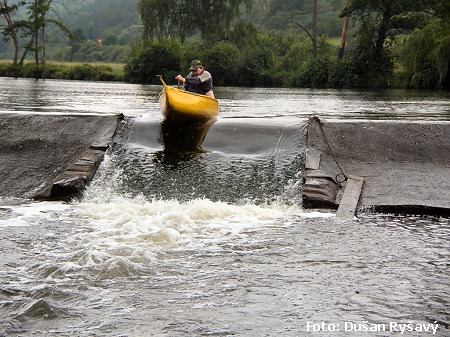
{"points": [[314, 27], [161, 18], [344, 32], [379, 22], [168, 18], [313, 34], [388, 18], [35, 25], [425, 55], [11, 29]]}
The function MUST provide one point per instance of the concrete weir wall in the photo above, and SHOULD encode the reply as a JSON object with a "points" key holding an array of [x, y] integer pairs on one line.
{"points": [[386, 166], [405, 164], [51, 156]]}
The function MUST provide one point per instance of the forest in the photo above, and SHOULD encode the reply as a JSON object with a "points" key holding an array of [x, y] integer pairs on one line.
{"points": [[289, 43]]}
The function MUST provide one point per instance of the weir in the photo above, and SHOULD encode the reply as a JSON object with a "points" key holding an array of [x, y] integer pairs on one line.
{"points": [[404, 165], [51, 155]]}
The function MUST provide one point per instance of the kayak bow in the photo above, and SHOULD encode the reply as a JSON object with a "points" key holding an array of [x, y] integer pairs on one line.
{"points": [[178, 104]]}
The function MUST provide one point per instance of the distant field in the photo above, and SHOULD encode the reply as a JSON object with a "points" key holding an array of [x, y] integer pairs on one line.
{"points": [[66, 70], [114, 66]]}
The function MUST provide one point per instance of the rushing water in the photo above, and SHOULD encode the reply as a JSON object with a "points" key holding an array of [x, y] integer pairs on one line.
{"points": [[168, 241]]}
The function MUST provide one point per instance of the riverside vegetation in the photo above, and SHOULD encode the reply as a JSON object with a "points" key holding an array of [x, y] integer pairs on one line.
{"points": [[391, 43]]}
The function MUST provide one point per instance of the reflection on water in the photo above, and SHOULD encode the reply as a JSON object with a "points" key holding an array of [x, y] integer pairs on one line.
{"points": [[185, 136], [182, 140], [55, 96]]}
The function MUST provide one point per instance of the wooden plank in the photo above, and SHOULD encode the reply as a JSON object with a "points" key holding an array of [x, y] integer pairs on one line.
{"points": [[312, 161], [350, 198]]}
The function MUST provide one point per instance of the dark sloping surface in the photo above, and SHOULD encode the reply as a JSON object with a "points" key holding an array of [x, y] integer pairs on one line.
{"points": [[230, 136], [403, 163], [36, 148]]}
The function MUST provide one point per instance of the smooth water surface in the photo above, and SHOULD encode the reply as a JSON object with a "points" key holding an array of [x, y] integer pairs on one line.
{"points": [[168, 241], [50, 96]]}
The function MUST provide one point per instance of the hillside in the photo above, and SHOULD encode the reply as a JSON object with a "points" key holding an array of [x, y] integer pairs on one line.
{"points": [[107, 28]]}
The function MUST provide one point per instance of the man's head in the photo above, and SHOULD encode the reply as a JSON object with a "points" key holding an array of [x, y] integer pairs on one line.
{"points": [[196, 67]]}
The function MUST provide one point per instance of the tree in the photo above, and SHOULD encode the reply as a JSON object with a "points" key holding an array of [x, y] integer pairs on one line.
{"points": [[313, 34], [389, 17], [154, 58], [11, 30], [35, 27], [380, 21], [344, 33], [161, 18], [164, 19], [425, 54]]}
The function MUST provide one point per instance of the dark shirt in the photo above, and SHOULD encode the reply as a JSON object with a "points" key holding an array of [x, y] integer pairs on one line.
{"points": [[199, 84]]}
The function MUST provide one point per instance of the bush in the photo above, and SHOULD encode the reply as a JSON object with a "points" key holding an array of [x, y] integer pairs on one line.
{"points": [[343, 74], [86, 72], [9, 70], [257, 64], [149, 60], [313, 74], [222, 61], [426, 57]]}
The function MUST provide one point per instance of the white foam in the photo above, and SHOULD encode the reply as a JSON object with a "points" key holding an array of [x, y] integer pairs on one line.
{"points": [[123, 236], [137, 229], [31, 213]]}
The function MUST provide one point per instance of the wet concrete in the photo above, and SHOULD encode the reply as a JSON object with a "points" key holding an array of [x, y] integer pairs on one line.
{"points": [[405, 164], [36, 149]]}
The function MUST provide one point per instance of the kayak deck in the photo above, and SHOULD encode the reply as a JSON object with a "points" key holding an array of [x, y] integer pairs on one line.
{"points": [[179, 104]]}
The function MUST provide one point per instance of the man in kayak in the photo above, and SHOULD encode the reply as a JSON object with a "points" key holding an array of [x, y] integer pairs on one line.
{"points": [[199, 80]]}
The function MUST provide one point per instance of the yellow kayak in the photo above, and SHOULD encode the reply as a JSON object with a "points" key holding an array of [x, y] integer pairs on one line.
{"points": [[178, 104]]}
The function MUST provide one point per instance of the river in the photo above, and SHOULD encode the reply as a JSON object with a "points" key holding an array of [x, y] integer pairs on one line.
{"points": [[169, 242]]}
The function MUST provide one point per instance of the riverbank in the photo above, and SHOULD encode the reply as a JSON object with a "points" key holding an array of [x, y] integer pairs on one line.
{"points": [[319, 76], [65, 71]]}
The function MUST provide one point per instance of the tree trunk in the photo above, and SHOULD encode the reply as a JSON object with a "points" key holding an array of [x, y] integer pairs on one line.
{"points": [[36, 33], [16, 47], [28, 46], [382, 32], [314, 28], [344, 33], [13, 32], [43, 44]]}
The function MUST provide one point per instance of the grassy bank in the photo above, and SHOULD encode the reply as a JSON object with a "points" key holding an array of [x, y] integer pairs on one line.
{"points": [[65, 71]]}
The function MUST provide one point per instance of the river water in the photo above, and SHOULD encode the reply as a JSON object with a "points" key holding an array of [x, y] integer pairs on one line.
{"points": [[167, 241]]}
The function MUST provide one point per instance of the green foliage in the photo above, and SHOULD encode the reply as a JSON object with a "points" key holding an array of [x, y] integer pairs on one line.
{"points": [[155, 58], [110, 39], [276, 15], [257, 64], [222, 60], [96, 17], [67, 71], [257, 47], [380, 21], [258, 60], [312, 74], [244, 35], [426, 57], [343, 74], [163, 19]]}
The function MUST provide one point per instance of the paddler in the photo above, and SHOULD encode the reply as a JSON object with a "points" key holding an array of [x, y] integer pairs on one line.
{"points": [[198, 80]]}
